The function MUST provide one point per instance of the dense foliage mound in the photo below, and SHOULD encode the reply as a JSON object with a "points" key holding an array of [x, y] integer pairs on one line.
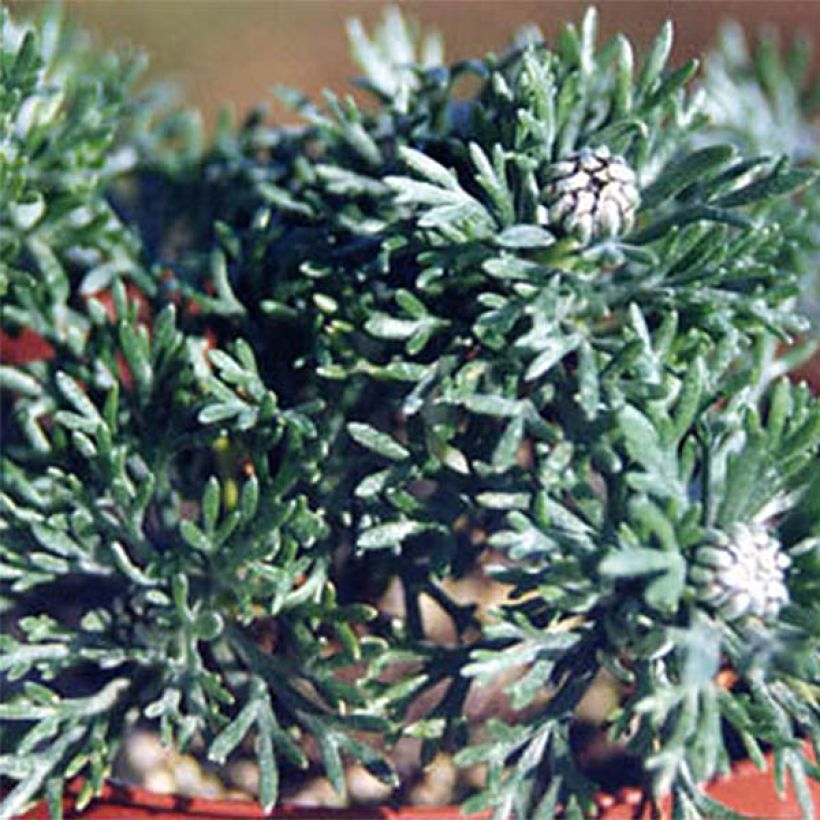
{"points": [[539, 329]]}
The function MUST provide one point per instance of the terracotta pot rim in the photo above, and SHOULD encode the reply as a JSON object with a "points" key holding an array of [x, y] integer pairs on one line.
{"points": [[741, 783], [121, 795], [626, 802]]}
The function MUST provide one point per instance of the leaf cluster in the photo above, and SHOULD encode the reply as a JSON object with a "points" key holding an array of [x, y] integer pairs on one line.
{"points": [[361, 347]]}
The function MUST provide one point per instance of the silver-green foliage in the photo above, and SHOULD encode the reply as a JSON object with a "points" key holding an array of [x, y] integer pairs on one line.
{"points": [[155, 519], [636, 374], [426, 352]]}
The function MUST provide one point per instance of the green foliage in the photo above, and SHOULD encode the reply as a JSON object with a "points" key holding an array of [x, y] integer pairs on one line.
{"points": [[764, 99], [376, 331], [154, 484]]}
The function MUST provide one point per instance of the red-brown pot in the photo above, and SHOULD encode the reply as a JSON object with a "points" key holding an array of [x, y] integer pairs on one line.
{"points": [[809, 372], [27, 346], [747, 790]]}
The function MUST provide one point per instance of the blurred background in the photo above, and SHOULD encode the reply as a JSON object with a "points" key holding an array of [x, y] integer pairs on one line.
{"points": [[236, 50]]}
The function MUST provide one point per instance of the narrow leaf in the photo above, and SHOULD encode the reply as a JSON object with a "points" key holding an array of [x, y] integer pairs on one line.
{"points": [[378, 442]]}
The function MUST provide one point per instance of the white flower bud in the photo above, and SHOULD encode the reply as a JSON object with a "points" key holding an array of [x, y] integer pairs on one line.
{"points": [[581, 225], [741, 572], [591, 194], [577, 182], [621, 172], [609, 217], [585, 202]]}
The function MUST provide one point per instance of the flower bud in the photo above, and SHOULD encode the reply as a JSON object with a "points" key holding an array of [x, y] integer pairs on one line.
{"points": [[591, 194], [741, 572]]}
